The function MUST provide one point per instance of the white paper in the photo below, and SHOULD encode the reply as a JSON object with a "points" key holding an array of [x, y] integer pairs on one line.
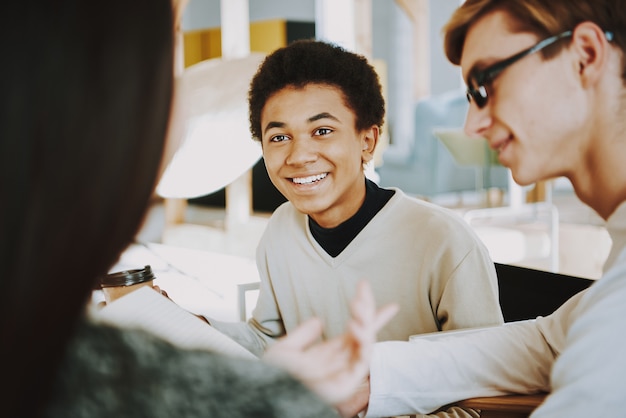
{"points": [[150, 311]]}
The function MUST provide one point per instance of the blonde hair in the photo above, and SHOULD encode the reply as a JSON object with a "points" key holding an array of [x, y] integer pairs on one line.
{"points": [[544, 18]]}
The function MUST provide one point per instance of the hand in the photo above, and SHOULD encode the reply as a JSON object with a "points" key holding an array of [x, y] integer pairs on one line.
{"points": [[161, 291], [333, 369], [357, 403], [156, 288]]}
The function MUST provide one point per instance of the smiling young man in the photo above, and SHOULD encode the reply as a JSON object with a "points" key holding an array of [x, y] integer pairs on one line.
{"points": [[314, 154], [547, 89], [317, 110]]}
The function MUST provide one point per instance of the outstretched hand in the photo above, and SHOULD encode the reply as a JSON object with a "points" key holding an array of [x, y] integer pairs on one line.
{"points": [[333, 369]]}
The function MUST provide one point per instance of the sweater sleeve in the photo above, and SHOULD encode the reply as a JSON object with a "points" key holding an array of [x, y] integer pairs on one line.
{"points": [[266, 324], [587, 378], [470, 296], [423, 375], [262, 329]]}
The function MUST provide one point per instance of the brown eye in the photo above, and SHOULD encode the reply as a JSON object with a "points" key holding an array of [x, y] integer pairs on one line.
{"points": [[279, 138], [323, 131]]}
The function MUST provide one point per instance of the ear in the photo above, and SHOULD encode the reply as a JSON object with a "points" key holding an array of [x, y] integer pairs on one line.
{"points": [[592, 51], [369, 140]]}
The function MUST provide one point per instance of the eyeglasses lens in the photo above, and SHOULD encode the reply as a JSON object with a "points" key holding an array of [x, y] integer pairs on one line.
{"points": [[479, 95]]}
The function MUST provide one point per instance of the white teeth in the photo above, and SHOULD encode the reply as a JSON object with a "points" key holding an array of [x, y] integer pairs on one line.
{"points": [[310, 179]]}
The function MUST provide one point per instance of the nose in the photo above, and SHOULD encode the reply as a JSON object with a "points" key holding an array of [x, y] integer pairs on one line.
{"points": [[477, 121], [301, 152]]}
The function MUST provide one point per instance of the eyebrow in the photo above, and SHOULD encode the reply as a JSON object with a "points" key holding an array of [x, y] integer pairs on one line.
{"points": [[323, 115], [271, 125]]}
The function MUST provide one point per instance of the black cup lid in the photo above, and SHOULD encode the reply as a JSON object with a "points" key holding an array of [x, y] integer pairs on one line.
{"points": [[127, 277]]}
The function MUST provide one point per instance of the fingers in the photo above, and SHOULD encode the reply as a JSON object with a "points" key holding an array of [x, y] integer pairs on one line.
{"points": [[291, 350], [356, 403], [305, 357], [161, 291], [323, 360], [334, 368], [303, 335], [384, 315], [363, 304], [363, 308], [366, 321]]}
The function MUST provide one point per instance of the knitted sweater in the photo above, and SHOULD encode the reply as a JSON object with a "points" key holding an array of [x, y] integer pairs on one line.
{"points": [[109, 372]]}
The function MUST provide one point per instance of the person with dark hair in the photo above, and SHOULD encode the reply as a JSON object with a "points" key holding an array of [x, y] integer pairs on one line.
{"points": [[547, 89], [318, 110], [307, 62], [85, 109]]}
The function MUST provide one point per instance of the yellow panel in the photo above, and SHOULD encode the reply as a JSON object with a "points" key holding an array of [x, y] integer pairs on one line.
{"points": [[192, 47], [212, 44], [203, 44], [266, 36]]}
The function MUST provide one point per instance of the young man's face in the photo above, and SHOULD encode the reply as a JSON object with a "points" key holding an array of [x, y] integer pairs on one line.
{"points": [[313, 152], [535, 111]]}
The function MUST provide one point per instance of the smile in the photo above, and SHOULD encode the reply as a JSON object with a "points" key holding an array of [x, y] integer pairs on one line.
{"points": [[501, 145], [309, 179]]}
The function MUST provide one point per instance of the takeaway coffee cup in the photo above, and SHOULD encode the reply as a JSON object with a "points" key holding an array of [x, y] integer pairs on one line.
{"points": [[116, 285]]}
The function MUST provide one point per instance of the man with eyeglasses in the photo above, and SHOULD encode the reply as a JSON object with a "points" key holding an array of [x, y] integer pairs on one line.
{"points": [[547, 89]]}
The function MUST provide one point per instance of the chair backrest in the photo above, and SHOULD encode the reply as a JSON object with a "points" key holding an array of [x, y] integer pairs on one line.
{"points": [[527, 293], [466, 150]]}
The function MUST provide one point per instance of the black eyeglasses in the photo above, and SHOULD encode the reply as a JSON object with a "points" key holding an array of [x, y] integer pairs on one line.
{"points": [[486, 76]]}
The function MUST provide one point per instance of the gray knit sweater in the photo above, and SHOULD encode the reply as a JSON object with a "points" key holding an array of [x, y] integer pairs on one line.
{"points": [[110, 372]]}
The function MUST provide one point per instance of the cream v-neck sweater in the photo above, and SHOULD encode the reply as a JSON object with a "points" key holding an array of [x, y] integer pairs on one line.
{"points": [[421, 256]]}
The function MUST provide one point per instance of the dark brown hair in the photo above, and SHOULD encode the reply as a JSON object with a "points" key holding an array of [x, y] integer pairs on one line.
{"points": [[86, 91], [306, 61]]}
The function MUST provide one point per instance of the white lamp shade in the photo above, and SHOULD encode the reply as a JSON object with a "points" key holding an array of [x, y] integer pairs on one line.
{"points": [[217, 146]]}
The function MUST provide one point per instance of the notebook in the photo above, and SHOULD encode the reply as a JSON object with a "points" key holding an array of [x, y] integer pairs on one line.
{"points": [[152, 312]]}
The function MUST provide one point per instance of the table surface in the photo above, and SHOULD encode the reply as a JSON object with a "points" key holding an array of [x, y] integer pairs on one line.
{"points": [[506, 405]]}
